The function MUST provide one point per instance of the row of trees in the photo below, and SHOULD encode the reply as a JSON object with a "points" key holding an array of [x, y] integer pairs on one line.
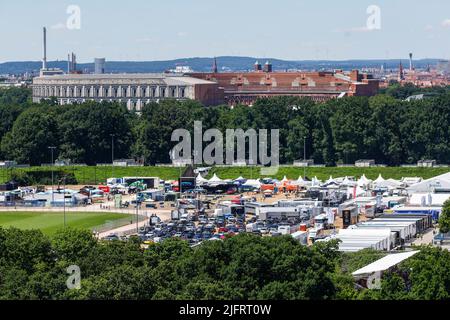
{"points": [[33, 266], [383, 128]]}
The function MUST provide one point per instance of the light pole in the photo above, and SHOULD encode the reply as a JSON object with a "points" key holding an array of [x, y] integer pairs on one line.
{"points": [[52, 149], [112, 154], [137, 215], [304, 157], [64, 200]]}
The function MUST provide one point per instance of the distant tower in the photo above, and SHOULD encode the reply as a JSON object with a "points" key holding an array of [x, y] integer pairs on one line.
{"points": [[74, 62], [99, 65], [44, 60], [69, 64], [215, 70], [268, 67], [410, 62], [401, 75], [258, 66]]}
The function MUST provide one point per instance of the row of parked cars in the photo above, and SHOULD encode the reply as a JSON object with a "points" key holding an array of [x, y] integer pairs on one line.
{"points": [[194, 229]]}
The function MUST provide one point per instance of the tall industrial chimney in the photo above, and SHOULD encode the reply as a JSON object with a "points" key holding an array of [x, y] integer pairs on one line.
{"points": [[69, 64], [410, 62], [44, 61]]}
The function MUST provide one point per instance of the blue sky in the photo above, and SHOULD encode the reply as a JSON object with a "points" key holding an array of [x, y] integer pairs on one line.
{"points": [[286, 29]]}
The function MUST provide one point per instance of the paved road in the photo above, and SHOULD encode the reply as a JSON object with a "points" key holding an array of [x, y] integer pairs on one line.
{"points": [[125, 230], [426, 239], [163, 214]]}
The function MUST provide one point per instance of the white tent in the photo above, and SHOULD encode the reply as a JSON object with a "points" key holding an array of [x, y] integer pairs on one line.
{"points": [[215, 179], [393, 183], [348, 182], [363, 181], [200, 180], [253, 183], [315, 182], [409, 181], [285, 179], [241, 178], [331, 181], [301, 182], [380, 179], [429, 185]]}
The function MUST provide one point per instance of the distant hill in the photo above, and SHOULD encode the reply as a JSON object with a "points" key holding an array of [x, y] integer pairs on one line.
{"points": [[225, 63]]}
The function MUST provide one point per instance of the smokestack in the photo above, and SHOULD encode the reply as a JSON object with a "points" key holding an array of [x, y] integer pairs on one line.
{"points": [[69, 64], [44, 61], [410, 62]]}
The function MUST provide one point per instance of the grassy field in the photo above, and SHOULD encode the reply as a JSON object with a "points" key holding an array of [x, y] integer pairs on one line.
{"points": [[325, 172], [49, 223], [98, 175]]}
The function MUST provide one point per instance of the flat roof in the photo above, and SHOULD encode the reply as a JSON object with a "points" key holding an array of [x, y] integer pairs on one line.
{"points": [[172, 79], [384, 263]]}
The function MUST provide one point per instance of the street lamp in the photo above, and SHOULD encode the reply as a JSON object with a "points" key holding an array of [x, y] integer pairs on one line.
{"points": [[64, 200], [52, 149], [63, 180], [137, 215], [304, 157], [112, 153]]}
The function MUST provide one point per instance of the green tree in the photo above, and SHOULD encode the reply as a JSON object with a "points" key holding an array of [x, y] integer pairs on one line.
{"points": [[444, 218], [33, 131]]}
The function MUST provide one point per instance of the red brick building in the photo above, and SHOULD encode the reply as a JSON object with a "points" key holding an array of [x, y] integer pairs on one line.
{"points": [[246, 87]]}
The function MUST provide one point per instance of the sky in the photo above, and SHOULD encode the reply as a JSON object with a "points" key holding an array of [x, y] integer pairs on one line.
{"points": [[144, 30]]}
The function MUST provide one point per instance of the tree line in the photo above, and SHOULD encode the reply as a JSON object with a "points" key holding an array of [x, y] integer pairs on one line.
{"points": [[384, 128], [34, 266]]}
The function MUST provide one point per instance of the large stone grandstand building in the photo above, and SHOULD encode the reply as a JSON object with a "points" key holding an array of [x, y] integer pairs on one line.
{"points": [[212, 88], [135, 90]]}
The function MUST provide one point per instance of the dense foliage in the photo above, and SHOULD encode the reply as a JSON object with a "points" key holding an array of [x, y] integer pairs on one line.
{"points": [[33, 266], [444, 218], [384, 128]]}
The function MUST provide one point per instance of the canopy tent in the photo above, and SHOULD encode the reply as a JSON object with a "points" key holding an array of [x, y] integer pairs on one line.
{"points": [[430, 185], [200, 180], [409, 181], [380, 179], [363, 181], [393, 183], [215, 179], [253, 183], [241, 178], [348, 182], [315, 182], [301, 182], [355, 191], [330, 180]]}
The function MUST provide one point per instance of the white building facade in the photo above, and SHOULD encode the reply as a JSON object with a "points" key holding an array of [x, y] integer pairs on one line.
{"points": [[135, 90]]}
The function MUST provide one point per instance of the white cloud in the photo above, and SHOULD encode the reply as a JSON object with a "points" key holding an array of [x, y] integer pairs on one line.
{"points": [[446, 23], [182, 34], [429, 28]]}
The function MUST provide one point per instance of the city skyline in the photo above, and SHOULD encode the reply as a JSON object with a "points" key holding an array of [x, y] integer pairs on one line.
{"points": [[307, 31]]}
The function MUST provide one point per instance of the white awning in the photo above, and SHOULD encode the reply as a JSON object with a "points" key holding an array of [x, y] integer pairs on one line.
{"points": [[384, 263]]}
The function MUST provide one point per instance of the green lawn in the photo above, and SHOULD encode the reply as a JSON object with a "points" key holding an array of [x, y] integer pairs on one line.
{"points": [[49, 223], [98, 175], [323, 173]]}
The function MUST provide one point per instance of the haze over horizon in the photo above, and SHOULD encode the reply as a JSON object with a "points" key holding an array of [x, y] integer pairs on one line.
{"points": [[291, 30]]}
